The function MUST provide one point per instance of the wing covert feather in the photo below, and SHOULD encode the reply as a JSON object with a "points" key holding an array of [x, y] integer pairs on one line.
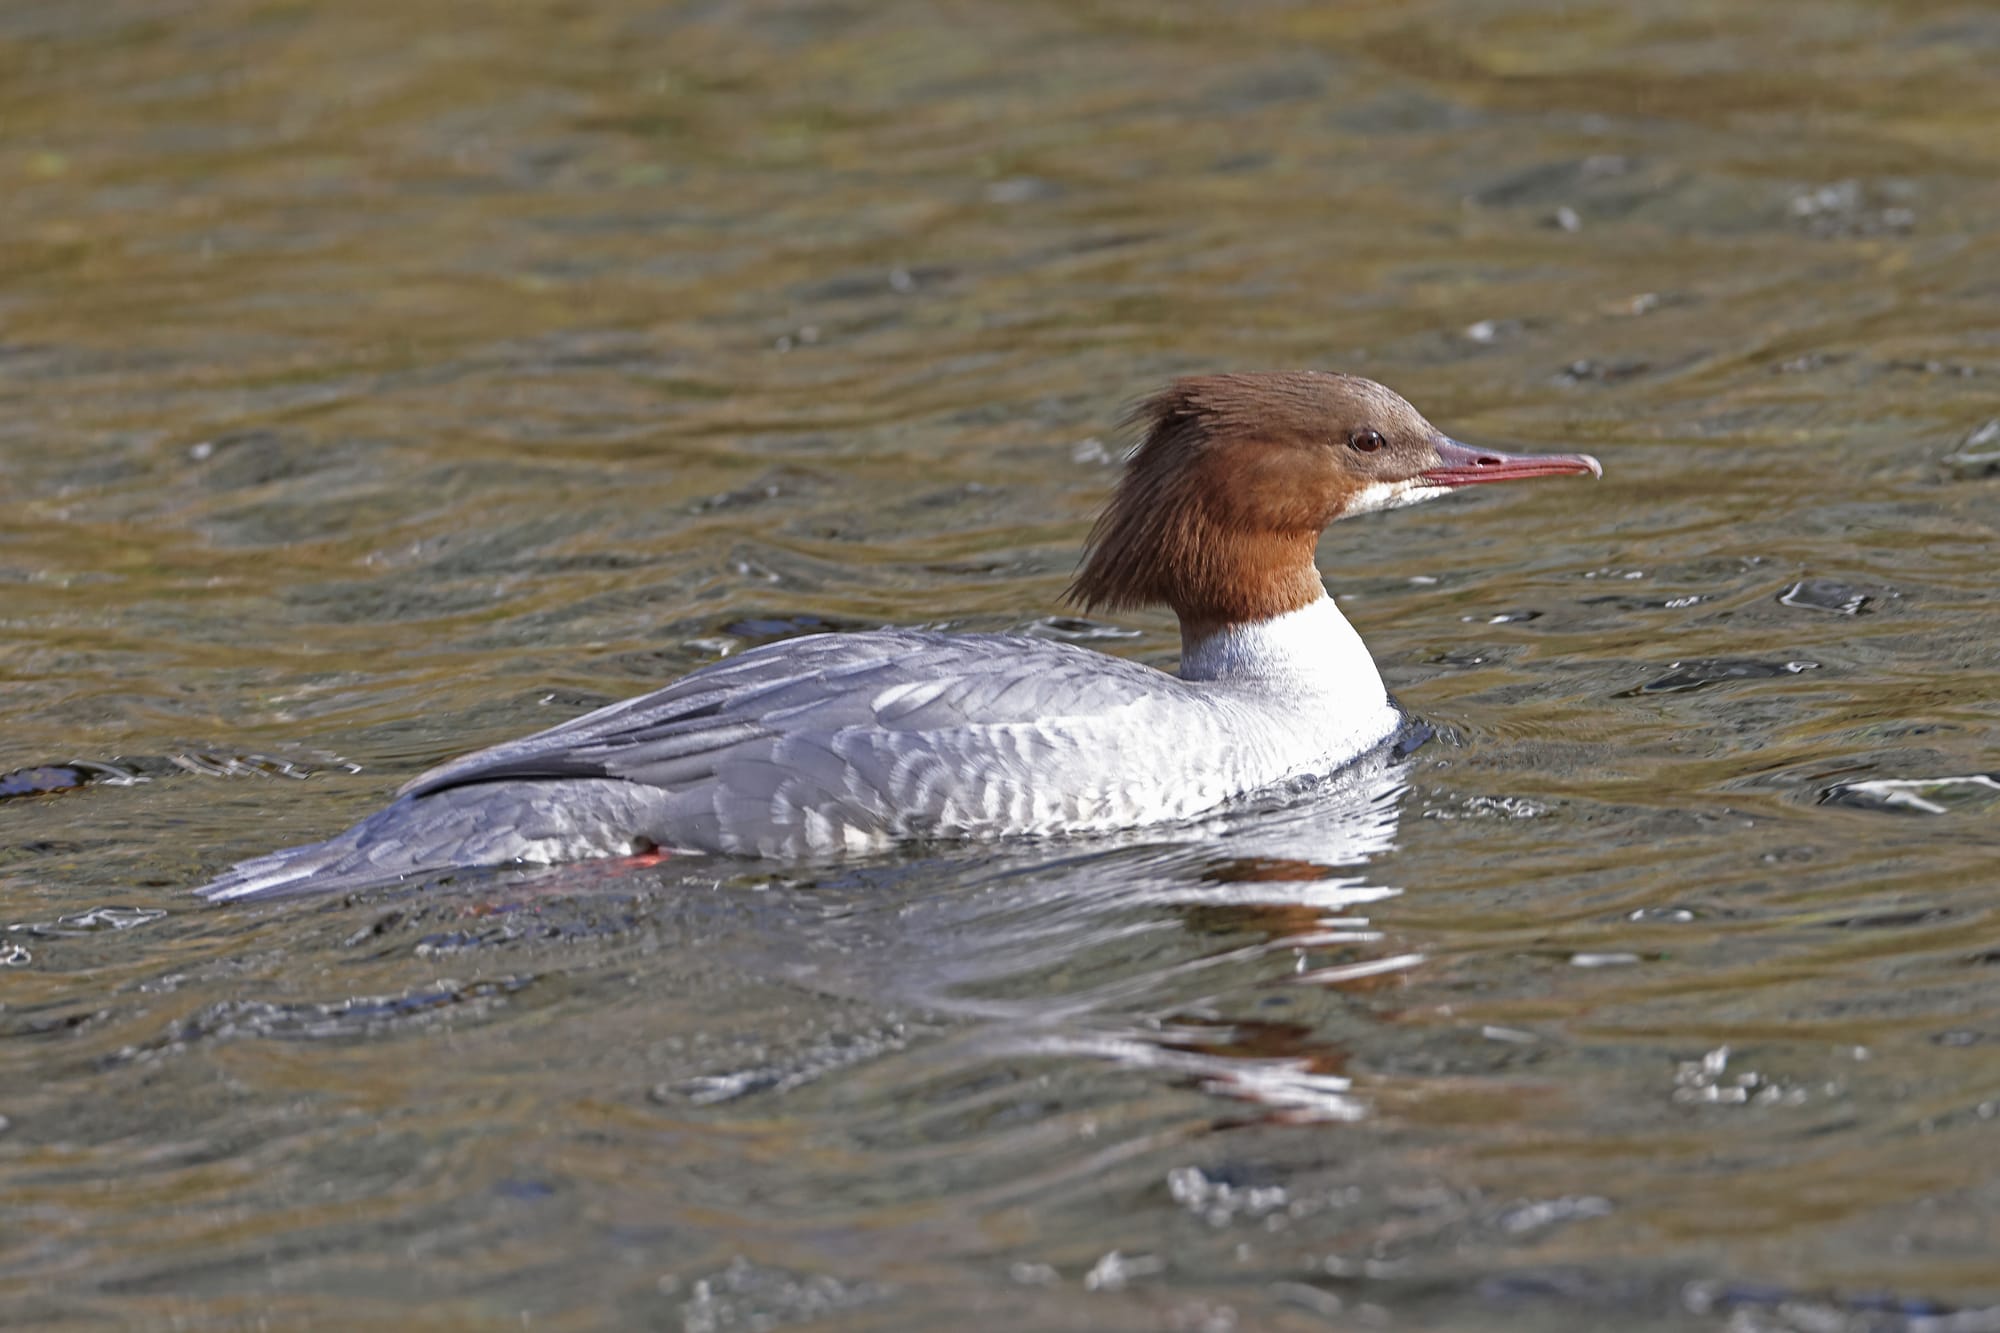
{"points": [[784, 703]]}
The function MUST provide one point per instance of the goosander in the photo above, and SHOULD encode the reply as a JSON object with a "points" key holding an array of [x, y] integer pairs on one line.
{"points": [[835, 744]]}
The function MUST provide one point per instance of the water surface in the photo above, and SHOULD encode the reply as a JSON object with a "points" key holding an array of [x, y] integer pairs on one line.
{"points": [[378, 381]]}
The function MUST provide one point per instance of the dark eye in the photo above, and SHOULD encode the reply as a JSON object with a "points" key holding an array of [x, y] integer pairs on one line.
{"points": [[1365, 441]]}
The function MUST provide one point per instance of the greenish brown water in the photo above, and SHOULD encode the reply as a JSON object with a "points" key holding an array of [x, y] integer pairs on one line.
{"points": [[381, 381]]}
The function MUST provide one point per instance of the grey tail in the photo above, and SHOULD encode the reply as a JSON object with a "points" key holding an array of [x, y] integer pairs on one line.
{"points": [[337, 863], [486, 824]]}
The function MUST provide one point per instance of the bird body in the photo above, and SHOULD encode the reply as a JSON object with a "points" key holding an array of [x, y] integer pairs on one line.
{"points": [[836, 744]]}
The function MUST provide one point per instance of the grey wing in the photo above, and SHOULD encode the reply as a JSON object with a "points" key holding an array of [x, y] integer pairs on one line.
{"points": [[781, 704]]}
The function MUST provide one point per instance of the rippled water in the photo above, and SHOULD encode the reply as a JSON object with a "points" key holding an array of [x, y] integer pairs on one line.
{"points": [[381, 381]]}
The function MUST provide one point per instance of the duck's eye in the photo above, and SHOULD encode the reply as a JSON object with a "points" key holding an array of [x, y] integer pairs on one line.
{"points": [[1365, 441]]}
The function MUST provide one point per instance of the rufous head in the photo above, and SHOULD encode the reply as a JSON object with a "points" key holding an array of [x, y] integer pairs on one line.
{"points": [[1237, 475]]}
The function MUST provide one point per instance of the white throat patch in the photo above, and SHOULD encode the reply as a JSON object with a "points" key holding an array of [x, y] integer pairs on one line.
{"points": [[1380, 495]]}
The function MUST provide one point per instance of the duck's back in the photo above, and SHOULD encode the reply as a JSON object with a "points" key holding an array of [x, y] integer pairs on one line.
{"points": [[827, 744]]}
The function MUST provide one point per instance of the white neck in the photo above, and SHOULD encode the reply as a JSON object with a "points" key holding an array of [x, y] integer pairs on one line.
{"points": [[1313, 647]]}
